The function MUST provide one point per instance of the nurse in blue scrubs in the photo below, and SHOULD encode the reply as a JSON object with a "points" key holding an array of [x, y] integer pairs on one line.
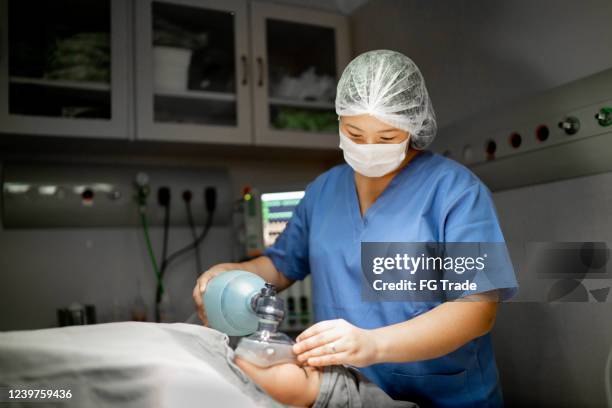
{"points": [[391, 190]]}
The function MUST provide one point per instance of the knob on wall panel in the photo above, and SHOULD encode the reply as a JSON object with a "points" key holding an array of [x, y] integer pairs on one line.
{"points": [[570, 125], [557, 134], [39, 195]]}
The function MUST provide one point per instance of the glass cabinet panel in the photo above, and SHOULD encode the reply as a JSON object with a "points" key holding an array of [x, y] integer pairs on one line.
{"points": [[59, 58], [194, 65], [301, 76]]}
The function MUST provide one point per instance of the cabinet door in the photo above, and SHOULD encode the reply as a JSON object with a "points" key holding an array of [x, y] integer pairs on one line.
{"points": [[299, 55], [191, 71], [63, 67]]}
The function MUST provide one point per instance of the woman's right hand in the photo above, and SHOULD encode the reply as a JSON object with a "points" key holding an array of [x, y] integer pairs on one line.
{"points": [[201, 284]]}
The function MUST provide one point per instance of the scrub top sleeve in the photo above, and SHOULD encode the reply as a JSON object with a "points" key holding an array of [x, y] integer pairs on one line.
{"points": [[471, 217], [289, 253]]}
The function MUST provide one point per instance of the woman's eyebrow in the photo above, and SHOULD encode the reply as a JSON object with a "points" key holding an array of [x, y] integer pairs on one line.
{"points": [[353, 126]]}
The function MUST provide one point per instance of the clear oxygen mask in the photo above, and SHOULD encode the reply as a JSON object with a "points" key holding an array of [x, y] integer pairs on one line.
{"points": [[267, 346]]}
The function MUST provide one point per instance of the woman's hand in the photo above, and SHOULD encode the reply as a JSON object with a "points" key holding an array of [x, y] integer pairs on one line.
{"points": [[201, 284], [333, 342]]}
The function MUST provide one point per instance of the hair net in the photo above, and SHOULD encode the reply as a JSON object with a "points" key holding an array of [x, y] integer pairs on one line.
{"points": [[389, 86]]}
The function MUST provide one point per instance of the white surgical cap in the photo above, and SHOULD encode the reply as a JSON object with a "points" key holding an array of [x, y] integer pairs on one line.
{"points": [[389, 86]]}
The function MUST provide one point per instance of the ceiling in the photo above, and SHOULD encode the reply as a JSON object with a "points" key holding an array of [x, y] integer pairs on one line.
{"points": [[336, 6]]}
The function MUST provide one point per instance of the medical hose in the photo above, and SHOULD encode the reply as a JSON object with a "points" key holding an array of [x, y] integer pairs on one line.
{"points": [[163, 197], [192, 245], [210, 201], [164, 255], [145, 228], [194, 233]]}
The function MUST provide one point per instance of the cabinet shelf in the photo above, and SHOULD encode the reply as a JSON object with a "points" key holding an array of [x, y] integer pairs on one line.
{"points": [[59, 99], [191, 94], [63, 84], [297, 103]]}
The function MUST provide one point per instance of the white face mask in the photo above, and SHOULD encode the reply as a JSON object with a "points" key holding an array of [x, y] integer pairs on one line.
{"points": [[373, 160]]}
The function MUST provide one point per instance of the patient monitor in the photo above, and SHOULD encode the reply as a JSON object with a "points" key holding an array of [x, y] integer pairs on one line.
{"points": [[264, 218]]}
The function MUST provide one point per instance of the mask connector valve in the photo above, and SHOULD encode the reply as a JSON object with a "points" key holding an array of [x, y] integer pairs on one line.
{"points": [[267, 346]]}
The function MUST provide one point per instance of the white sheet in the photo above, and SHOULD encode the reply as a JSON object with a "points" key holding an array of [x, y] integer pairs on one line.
{"points": [[129, 364]]}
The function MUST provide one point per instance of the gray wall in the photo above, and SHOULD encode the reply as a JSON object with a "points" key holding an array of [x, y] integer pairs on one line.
{"points": [[478, 55], [554, 354]]}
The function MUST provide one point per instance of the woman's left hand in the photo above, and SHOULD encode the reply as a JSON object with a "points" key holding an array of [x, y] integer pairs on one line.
{"points": [[333, 342]]}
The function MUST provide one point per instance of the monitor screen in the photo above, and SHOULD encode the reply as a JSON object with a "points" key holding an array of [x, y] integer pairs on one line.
{"points": [[276, 209]]}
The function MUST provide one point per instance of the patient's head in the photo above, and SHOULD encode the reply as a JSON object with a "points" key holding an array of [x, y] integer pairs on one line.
{"points": [[288, 384]]}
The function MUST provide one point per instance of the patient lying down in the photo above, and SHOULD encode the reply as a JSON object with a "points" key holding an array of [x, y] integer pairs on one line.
{"points": [[287, 383], [335, 386], [133, 364]]}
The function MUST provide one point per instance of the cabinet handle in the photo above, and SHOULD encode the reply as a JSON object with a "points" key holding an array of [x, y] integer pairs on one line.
{"points": [[260, 64], [245, 71]]}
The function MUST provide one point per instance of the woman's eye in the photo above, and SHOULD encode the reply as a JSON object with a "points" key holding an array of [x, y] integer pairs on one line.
{"points": [[355, 136], [387, 139]]}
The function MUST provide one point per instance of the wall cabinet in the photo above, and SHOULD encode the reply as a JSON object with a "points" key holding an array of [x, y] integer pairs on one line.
{"points": [[64, 67], [298, 59], [192, 81], [209, 71]]}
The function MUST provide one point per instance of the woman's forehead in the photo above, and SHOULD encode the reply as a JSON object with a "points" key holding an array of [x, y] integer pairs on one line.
{"points": [[367, 123]]}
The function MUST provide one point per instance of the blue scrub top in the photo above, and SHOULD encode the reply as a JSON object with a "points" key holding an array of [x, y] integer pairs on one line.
{"points": [[431, 199]]}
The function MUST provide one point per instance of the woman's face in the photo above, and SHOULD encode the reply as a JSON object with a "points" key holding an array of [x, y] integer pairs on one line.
{"points": [[366, 129]]}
